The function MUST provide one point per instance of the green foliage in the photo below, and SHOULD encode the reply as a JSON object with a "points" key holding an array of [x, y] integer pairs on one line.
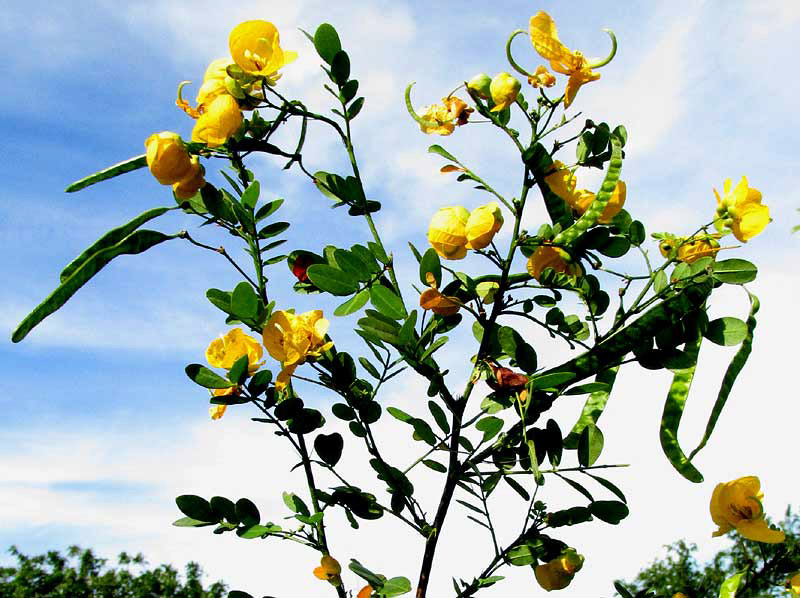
{"points": [[79, 573]]}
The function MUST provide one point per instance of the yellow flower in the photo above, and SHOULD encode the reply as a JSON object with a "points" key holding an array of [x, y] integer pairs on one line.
{"points": [[217, 411], [679, 595], [693, 249], [793, 585], [737, 505], [444, 117], [329, 570], [225, 351], [547, 256], [561, 180], [544, 37], [447, 232], [558, 573], [191, 183], [741, 210], [482, 225], [255, 46], [542, 78], [167, 157], [583, 198], [291, 339], [220, 119], [504, 90], [213, 82]]}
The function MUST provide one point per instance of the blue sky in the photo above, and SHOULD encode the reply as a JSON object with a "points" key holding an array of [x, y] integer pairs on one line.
{"points": [[102, 427]]}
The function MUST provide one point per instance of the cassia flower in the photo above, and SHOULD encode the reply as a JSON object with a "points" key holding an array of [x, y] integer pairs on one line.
{"points": [[291, 339], [219, 120], [482, 225], [693, 249], [561, 180], [542, 78], [558, 573], [223, 352], [544, 37], [737, 505], [793, 585], [256, 48], [504, 90], [191, 184], [167, 158], [741, 210], [447, 232], [443, 118], [328, 570], [549, 257]]}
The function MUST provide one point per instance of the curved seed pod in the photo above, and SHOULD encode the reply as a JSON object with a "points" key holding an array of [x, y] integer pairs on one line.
{"points": [[736, 365], [590, 216], [673, 410], [593, 408]]}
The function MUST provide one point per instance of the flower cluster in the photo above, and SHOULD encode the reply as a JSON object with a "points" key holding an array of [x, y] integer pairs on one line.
{"points": [[289, 338], [454, 230]]}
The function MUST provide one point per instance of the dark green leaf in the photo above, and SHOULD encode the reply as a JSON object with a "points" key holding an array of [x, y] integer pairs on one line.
{"points": [[244, 302], [439, 416], [572, 516], [615, 247], [331, 280], [490, 426], [268, 209], [196, 507], [224, 507], [295, 503], [136, 242], [434, 465], [430, 263], [326, 42], [238, 371], [112, 237], [636, 233], [340, 68], [583, 389], [343, 411], [247, 512], [329, 447], [204, 377], [348, 91], [272, 230], [117, 169], [355, 109], [610, 511], [551, 380], [250, 195]]}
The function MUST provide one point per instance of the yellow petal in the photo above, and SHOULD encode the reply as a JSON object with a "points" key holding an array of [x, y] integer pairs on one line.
{"points": [[759, 531]]}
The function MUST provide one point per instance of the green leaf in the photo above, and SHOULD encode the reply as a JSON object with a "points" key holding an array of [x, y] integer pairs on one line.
{"points": [[636, 233], [250, 196], [137, 242], [608, 485], [396, 586], [331, 280], [117, 169], [490, 426], [204, 377], [621, 133], [439, 416], [430, 263], [734, 271], [189, 522], [615, 247], [112, 237], [326, 42], [352, 305], [513, 344], [244, 301], [239, 594], [268, 209], [610, 511], [434, 465], [590, 387], [572, 516], [348, 91], [259, 382], [622, 591], [247, 512], [551, 380], [660, 281], [438, 149], [196, 507], [355, 107], [521, 556], [329, 447], [340, 68], [238, 371], [731, 585], [726, 331], [251, 532], [387, 302], [272, 230], [224, 507], [295, 504], [590, 445]]}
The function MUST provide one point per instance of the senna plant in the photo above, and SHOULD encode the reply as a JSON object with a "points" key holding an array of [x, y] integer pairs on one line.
{"points": [[490, 427]]}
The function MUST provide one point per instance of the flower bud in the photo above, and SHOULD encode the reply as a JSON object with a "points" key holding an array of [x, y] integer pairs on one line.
{"points": [[191, 184], [167, 157], [447, 232], [504, 90], [221, 119], [480, 84]]}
